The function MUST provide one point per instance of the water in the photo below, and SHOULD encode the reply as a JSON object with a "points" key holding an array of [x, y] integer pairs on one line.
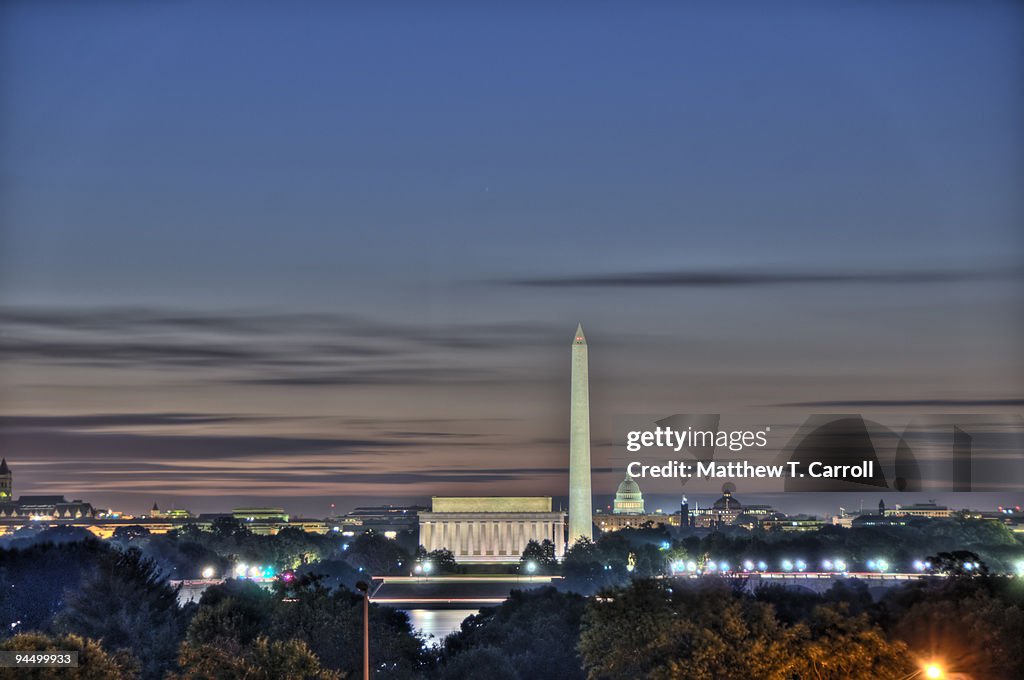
{"points": [[437, 622]]}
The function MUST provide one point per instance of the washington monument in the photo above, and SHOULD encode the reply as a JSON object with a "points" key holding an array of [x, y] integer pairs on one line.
{"points": [[580, 510]]}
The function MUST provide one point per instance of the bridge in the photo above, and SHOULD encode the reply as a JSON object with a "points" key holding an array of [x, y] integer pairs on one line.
{"points": [[452, 592], [473, 592], [820, 582]]}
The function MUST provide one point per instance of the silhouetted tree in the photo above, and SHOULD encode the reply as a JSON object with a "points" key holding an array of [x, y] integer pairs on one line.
{"points": [[94, 663], [442, 560], [236, 611], [542, 554], [35, 581], [470, 664], [709, 631], [264, 659], [130, 533], [128, 606], [377, 555], [957, 563], [534, 634]]}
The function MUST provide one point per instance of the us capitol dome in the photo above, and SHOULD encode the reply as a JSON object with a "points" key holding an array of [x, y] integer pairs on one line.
{"points": [[628, 499]]}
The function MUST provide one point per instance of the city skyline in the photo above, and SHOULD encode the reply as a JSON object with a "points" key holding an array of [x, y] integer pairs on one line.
{"points": [[344, 268]]}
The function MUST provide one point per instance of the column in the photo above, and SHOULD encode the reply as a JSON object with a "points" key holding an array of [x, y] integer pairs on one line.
{"points": [[425, 535]]}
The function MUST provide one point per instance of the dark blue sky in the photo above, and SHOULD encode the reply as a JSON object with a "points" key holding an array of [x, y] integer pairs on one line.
{"points": [[357, 221]]}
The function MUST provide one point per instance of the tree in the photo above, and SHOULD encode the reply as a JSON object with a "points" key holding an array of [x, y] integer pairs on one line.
{"points": [[35, 581], [533, 634], [264, 659], [541, 554], [590, 566], [377, 555], [93, 662], [709, 631], [468, 665], [837, 646], [957, 564], [331, 625], [972, 623], [130, 533], [442, 560], [233, 612], [129, 607], [657, 630], [228, 527]]}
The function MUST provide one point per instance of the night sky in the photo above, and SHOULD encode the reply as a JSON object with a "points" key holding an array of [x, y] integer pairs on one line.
{"points": [[304, 253]]}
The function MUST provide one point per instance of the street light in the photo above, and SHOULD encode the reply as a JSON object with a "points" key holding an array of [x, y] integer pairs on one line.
{"points": [[365, 588], [932, 671], [208, 572], [531, 566]]}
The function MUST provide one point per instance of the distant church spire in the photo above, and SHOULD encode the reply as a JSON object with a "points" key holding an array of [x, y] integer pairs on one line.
{"points": [[6, 481]]}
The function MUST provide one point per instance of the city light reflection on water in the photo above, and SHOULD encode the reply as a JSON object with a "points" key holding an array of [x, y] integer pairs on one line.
{"points": [[434, 624]]}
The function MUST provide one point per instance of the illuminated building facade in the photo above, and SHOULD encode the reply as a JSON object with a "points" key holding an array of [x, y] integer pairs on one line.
{"points": [[491, 529]]}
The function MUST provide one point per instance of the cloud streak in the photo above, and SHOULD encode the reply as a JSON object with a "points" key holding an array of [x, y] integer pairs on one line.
{"points": [[731, 279], [910, 403]]}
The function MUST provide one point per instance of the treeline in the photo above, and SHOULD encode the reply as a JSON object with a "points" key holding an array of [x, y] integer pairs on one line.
{"points": [[115, 607], [709, 630], [616, 558], [124, 617]]}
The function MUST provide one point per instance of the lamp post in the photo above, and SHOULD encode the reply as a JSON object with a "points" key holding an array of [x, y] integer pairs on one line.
{"points": [[365, 588]]}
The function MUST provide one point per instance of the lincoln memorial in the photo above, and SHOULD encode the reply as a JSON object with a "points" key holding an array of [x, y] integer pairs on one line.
{"points": [[491, 529]]}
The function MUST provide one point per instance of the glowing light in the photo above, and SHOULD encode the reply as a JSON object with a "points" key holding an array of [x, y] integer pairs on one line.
{"points": [[723, 566], [208, 572], [787, 565], [531, 566], [691, 566], [762, 566], [919, 565], [933, 671], [840, 565], [801, 565], [748, 566], [827, 565]]}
